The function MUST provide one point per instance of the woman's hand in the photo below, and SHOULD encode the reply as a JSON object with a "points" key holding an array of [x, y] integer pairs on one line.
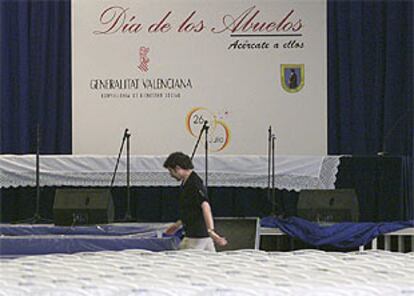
{"points": [[220, 241]]}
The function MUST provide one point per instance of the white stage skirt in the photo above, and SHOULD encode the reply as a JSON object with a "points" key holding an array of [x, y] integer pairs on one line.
{"points": [[291, 172]]}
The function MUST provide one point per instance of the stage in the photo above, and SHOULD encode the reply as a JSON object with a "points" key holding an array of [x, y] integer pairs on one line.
{"points": [[237, 185]]}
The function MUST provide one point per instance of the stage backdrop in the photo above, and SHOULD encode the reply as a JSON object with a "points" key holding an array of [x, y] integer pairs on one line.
{"points": [[161, 68]]}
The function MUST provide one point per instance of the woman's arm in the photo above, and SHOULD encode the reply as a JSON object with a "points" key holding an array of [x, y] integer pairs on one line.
{"points": [[208, 219]]}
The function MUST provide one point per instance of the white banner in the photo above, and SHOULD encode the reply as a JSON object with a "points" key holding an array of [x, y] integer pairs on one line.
{"points": [[161, 68]]}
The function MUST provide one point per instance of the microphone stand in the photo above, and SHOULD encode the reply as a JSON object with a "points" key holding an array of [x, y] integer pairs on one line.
{"points": [[36, 217], [198, 139], [128, 216], [126, 137], [271, 188], [273, 177], [269, 149], [204, 128], [37, 214], [206, 156]]}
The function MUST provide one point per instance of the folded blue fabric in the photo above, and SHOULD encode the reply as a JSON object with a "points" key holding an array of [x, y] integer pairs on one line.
{"points": [[340, 235]]}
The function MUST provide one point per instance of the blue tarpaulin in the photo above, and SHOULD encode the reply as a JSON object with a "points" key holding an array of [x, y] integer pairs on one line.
{"points": [[18, 240], [340, 235]]}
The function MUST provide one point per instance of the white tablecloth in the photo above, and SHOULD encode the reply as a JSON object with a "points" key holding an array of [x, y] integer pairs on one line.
{"points": [[292, 172]]}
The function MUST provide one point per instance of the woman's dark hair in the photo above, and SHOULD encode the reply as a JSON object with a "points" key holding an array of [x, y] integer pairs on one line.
{"points": [[178, 159]]}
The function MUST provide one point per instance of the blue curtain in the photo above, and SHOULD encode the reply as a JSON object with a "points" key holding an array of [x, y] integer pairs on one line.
{"points": [[35, 79], [370, 82]]}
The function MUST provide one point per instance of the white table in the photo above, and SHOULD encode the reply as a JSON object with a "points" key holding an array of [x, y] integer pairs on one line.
{"points": [[400, 234]]}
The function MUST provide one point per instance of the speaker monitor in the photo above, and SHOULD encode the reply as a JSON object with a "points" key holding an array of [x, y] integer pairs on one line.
{"points": [[338, 205], [241, 233], [83, 206]]}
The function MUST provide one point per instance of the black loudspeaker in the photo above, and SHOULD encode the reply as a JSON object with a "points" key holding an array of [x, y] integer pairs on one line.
{"points": [[328, 206], [241, 233], [82, 206]]}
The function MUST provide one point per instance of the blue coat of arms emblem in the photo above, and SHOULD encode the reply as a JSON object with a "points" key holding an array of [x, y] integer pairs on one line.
{"points": [[292, 77]]}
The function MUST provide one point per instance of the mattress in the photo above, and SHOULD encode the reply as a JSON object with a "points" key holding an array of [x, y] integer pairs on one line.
{"points": [[193, 272]]}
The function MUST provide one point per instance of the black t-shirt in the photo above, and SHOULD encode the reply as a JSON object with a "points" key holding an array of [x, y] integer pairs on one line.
{"points": [[192, 196]]}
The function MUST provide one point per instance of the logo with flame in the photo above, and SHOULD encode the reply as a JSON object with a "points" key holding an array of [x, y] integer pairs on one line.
{"points": [[219, 132]]}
